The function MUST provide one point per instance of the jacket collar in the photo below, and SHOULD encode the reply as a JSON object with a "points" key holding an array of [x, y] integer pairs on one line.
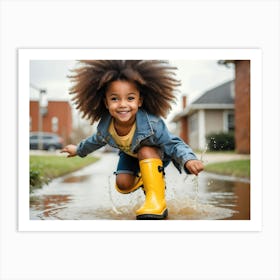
{"points": [[143, 127]]}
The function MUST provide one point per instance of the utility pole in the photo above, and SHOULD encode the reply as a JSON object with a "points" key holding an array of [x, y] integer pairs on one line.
{"points": [[40, 115]]}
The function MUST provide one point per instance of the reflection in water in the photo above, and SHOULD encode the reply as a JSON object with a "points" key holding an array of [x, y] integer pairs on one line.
{"points": [[84, 196], [75, 179], [48, 206], [234, 195], [241, 204]]}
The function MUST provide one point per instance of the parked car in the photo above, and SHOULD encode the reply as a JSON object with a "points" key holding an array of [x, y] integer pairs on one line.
{"points": [[50, 141]]}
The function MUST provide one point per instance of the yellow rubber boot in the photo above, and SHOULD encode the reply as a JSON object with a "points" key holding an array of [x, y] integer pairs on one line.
{"points": [[154, 207], [137, 184]]}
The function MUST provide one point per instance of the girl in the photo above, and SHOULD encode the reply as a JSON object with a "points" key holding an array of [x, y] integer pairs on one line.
{"points": [[128, 98]]}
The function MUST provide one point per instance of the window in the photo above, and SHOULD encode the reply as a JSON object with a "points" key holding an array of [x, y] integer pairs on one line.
{"points": [[54, 124], [229, 121]]}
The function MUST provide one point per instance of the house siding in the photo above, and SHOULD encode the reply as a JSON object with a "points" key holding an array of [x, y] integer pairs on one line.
{"points": [[213, 121], [201, 129]]}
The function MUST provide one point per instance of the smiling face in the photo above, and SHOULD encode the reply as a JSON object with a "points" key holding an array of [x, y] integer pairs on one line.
{"points": [[122, 99]]}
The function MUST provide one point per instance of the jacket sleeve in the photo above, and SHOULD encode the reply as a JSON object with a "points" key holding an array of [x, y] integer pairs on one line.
{"points": [[90, 145], [173, 146]]}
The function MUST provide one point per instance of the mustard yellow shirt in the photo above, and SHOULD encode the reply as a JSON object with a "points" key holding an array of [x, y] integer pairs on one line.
{"points": [[123, 142]]}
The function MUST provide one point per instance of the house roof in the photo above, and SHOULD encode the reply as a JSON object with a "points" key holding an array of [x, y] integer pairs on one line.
{"points": [[220, 97], [223, 94]]}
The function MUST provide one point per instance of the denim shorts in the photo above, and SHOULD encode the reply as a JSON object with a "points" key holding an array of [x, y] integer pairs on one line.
{"points": [[130, 165], [127, 164]]}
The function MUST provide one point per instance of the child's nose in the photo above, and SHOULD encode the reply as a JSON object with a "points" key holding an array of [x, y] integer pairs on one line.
{"points": [[122, 102]]}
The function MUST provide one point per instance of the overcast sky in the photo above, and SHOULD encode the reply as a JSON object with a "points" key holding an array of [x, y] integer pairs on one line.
{"points": [[197, 76]]}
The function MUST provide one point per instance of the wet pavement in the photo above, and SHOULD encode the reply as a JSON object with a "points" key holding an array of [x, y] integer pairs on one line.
{"points": [[89, 194]]}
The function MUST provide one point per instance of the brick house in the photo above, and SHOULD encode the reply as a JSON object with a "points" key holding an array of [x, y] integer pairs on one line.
{"points": [[57, 118], [213, 112]]}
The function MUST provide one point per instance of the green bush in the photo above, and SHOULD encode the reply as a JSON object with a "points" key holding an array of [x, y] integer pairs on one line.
{"points": [[220, 141], [37, 178]]}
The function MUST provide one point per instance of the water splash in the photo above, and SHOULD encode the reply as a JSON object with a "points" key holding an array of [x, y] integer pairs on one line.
{"points": [[203, 153], [183, 203], [196, 191], [110, 196], [124, 204], [195, 185]]}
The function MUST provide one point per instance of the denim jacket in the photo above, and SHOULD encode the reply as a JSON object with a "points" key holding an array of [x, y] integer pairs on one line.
{"points": [[150, 131]]}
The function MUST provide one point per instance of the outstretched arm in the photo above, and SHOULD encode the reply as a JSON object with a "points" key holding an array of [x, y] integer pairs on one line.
{"points": [[177, 149]]}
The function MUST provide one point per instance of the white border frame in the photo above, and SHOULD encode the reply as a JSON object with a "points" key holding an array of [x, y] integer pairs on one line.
{"points": [[24, 222]]}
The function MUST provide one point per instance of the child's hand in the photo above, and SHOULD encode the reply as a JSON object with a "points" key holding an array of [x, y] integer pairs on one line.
{"points": [[70, 149], [194, 166]]}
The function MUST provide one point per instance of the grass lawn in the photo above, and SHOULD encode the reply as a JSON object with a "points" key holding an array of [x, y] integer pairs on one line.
{"points": [[46, 167], [238, 168]]}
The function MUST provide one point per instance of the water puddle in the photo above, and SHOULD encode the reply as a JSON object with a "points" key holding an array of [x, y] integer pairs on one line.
{"points": [[200, 198], [90, 194]]}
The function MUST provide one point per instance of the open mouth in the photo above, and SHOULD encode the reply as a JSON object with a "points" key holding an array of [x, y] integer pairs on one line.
{"points": [[123, 112]]}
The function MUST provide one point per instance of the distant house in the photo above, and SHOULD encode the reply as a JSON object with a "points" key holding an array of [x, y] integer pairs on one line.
{"points": [[56, 118], [213, 112]]}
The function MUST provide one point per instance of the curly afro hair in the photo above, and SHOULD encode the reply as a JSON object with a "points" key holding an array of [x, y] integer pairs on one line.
{"points": [[155, 80]]}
